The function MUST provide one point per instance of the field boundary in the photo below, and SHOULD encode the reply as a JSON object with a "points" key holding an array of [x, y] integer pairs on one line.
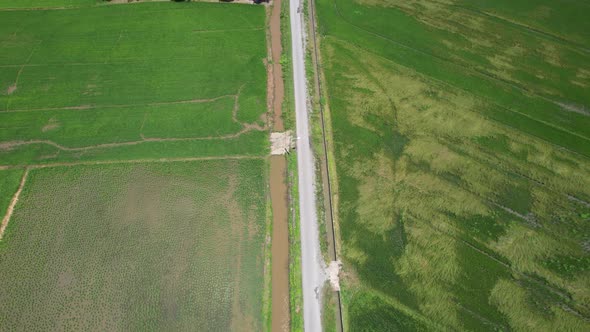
{"points": [[132, 161], [113, 3], [13, 202], [91, 107]]}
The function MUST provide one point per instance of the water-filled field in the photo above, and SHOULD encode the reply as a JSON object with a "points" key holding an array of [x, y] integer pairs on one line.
{"points": [[462, 147]]}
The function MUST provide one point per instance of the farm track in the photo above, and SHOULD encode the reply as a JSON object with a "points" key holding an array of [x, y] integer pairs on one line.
{"points": [[91, 107], [12, 204], [14, 87]]}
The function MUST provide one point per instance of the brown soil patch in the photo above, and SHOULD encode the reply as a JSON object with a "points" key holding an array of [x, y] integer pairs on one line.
{"points": [[7, 146], [51, 125], [11, 89], [66, 279]]}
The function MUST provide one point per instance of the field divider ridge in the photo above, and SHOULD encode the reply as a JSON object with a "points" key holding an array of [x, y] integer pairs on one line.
{"points": [[13, 202], [91, 107], [132, 161]]}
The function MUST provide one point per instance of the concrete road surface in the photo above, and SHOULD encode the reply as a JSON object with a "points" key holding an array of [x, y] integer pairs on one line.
{"points": [[311, 259]]}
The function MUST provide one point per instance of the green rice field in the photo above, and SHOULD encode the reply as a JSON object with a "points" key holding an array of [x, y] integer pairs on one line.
{"points": [[152, 246], [461, 138], [139, 132], [120, 82]]}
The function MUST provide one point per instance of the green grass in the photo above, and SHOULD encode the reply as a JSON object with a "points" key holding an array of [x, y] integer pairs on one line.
{"points": [[329, 305], [288, 116], [98, 75], [461, 148], [136, 247], [295, 282]]}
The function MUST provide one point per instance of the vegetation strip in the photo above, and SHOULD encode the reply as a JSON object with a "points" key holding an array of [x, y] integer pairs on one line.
{"points": [[330, 215]]}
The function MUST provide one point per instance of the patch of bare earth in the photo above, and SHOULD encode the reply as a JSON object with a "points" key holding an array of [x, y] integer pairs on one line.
{"points": [[7, 146], [51, 125], [11, 89]]}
